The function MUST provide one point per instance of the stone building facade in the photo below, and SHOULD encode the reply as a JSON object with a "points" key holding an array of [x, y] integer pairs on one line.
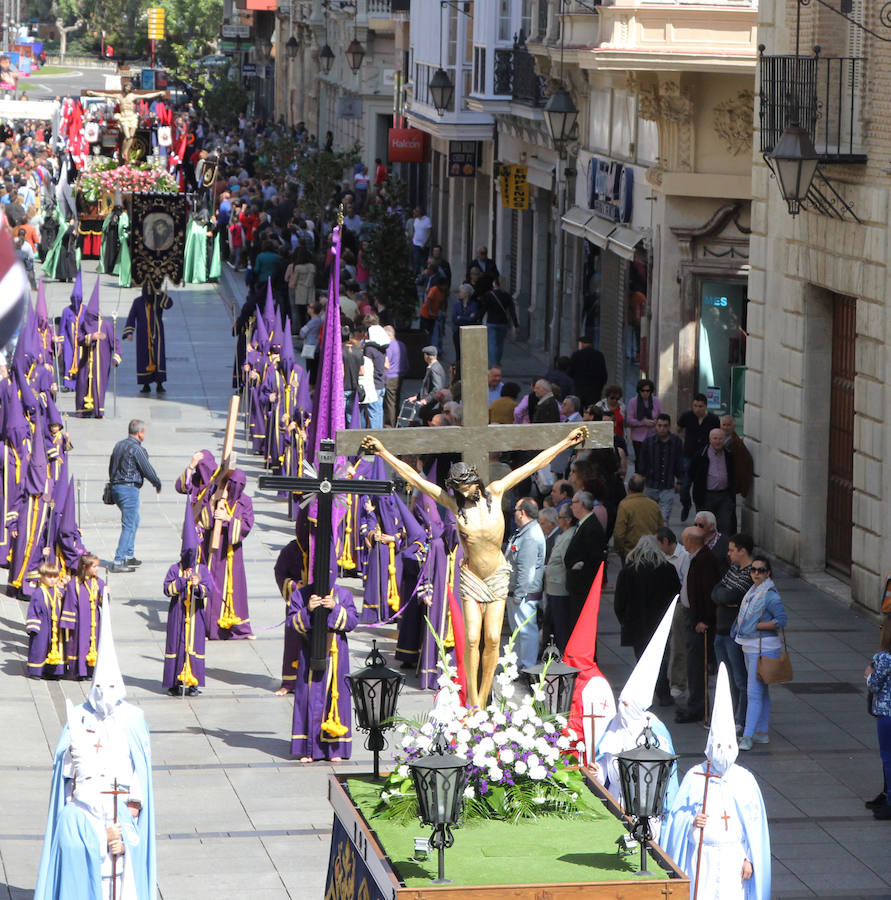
{"points": [[819, 332]]}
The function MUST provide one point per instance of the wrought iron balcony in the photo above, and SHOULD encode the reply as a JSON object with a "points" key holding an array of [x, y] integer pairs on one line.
{"points": [[527, 86], [819, 93]]}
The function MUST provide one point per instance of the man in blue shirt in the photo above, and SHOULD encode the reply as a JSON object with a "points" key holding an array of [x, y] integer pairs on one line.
{"points": [[397, 369], [526, 556]]}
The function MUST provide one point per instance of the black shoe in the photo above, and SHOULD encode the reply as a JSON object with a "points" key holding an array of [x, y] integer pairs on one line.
{"points": [[120, 567], [667, 700], [192, 691], [877, 802], [685, 716], [134, 562], [161, 389], [883, 812], [175, 691], [146, 389]]}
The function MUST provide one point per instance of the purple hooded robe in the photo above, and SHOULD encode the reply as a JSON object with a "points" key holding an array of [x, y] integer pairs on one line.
{"points": [[289, 569], [226, 612], [83, 605], [146, 320], [96, 359], [69, 326], [45, 625], [322, 725]]}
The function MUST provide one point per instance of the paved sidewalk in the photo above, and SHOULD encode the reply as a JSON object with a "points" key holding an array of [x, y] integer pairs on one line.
{"points": [[236, 816]]}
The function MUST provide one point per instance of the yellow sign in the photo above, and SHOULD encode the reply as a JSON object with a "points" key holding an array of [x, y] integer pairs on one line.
{"points": [[515, 189], [156, 23]]}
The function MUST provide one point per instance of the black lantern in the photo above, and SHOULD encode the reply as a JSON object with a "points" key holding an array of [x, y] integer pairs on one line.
{"points": [[375, 691], [440, 779], [561, 117], [644, 773], [559, 680], [355, 53], [795, 163], [326, 58], [441, 90], [292, 46]]}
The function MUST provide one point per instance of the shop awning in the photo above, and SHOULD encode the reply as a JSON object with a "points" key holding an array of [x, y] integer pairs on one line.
{"points": [[625, 241], [575, 219], [598, 231]]}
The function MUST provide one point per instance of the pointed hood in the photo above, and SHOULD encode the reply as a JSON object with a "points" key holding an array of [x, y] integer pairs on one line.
{"points": [[91, 313], [428, 516], [206, 466], [189, 548], [42, 313], [722, 748], [414, 532], [288, 361], [77, 292], [236, 485], [269, 317], [15, 425], [261, 335], [69, 531], [637, 695], [107, 689]]}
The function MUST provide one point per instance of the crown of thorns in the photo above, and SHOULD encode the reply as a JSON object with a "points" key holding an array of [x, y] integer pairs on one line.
{"points": [[461, 473]]}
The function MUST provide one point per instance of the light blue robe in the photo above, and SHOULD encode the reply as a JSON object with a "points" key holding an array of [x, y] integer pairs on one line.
{"points": [[132, 720], [738, 790], [74, 857]]}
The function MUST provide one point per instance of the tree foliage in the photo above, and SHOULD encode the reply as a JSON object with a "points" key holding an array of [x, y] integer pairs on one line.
{"points": [[388, 259], [219, 98]]}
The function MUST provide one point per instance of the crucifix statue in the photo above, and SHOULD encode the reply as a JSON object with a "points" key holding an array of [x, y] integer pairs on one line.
{"points": [[326, 487], [483, 577], [127, 116]]}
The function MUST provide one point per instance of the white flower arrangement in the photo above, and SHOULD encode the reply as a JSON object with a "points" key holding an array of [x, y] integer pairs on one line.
{"points": [[519, 762]]}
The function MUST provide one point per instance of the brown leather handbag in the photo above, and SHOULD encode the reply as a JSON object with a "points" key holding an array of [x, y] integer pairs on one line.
{"points": [[775, 671]]}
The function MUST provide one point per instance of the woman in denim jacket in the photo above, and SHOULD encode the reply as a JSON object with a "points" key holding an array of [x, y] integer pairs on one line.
{"points": [[878, 680], [761, 615]]}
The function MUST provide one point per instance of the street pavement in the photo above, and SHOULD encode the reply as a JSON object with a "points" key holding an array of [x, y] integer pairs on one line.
{"points": [[236, 815]]}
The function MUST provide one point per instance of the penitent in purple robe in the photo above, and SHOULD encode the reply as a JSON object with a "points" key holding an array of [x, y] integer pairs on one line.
{"points": [[184, 652], [83, 606], [322, 699], [226, 612], [289, 568], [69, 328], [146, 320], [94, 366], [45, 624]]}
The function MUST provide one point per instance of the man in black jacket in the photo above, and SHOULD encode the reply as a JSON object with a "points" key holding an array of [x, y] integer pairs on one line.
{"points": [[712, 474], [585, 553], [434, 378], [546, 409], [587, 367]]}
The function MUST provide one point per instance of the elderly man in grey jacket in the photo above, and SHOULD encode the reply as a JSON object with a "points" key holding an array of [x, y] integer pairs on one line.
{"points": [[526, 556]]}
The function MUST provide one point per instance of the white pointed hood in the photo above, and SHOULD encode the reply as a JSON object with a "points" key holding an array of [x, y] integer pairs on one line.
{"points": [[722, 748], [108, 689], [637, 695]]}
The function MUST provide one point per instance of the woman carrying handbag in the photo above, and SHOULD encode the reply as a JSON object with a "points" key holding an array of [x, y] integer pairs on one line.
{"points": [[878, 680], [761, 616]]}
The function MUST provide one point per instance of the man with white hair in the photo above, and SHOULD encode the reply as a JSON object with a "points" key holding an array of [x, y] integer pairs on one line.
{"points": [[716, 827]]}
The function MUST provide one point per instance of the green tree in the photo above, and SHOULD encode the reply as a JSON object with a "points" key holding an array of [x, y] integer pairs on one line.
{"points": [[219, 98], [320, 174], [388, 258]]}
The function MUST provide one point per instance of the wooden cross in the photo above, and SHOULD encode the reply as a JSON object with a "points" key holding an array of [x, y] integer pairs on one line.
{"points": [[227, 464], [475, 439], [326, 486], [98, 745], [115, 792], [726, 819]]}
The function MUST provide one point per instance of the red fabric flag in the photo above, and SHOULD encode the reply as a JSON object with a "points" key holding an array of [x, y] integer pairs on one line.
{"points": [[580, 650], [458, 631]]}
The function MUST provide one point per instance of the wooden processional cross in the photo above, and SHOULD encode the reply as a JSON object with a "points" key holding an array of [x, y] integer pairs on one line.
{"points": [[326, 487], [475, 439]]}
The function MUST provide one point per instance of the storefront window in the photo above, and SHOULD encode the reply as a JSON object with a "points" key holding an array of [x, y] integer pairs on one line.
{"points": [[722, 345]]}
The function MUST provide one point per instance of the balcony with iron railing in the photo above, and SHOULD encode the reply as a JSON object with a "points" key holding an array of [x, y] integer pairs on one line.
{"points": [[514, 78], [821, 94]]}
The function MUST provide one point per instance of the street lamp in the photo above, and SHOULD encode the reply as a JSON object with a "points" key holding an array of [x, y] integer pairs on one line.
{"points": [[644, 773], [326, 57], [561, 117], [795, 159], [559, 679], [355, 53], [375, 691], [441, 90], [439, 781], [292, 46]]}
